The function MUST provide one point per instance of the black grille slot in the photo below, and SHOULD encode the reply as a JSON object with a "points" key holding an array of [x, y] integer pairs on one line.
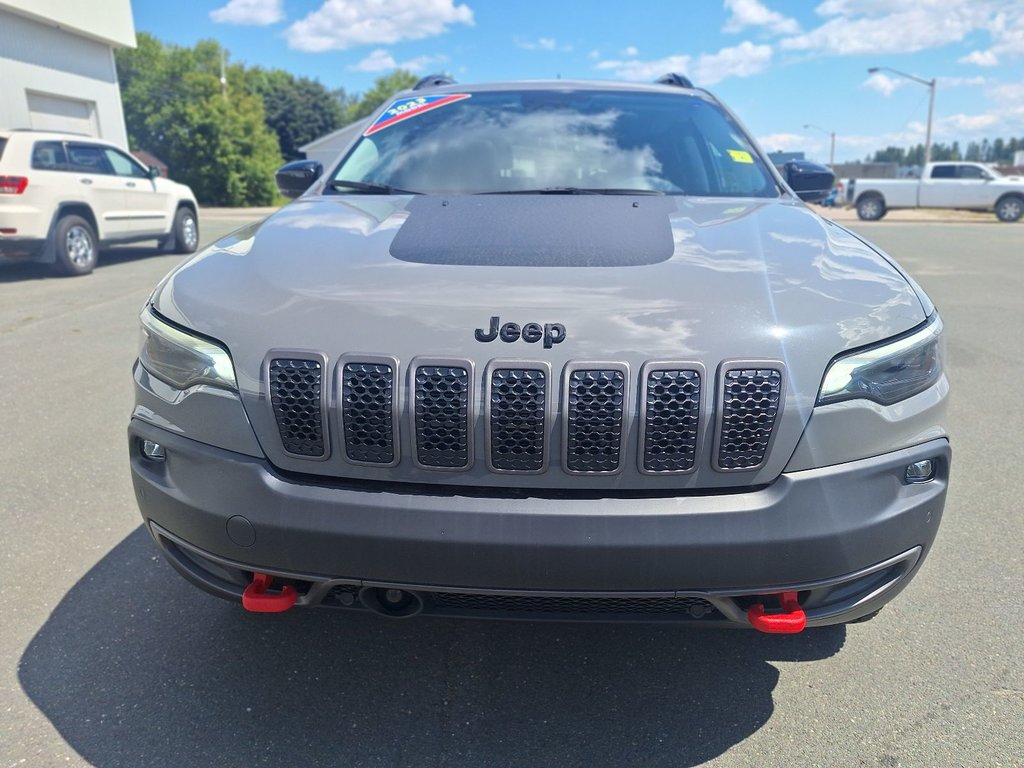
{"points": [[442, 416], [296, 387], [671, 418], [750, 405], [594, 428], [682, 607], [367, 393], [518, 403]]}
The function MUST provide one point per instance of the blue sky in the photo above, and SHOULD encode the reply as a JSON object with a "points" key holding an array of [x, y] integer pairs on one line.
{"points": [[779, 65]]}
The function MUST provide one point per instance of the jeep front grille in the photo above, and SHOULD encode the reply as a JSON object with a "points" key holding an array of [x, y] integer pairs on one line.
{"points": [[368, 412], [296, 395], [442, 416], [750, 404], [589, 412], [594, 401], [671, 417], [517, 425]]}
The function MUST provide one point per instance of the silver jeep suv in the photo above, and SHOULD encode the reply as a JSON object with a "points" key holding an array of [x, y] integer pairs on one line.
{"points": [[562, 350]]}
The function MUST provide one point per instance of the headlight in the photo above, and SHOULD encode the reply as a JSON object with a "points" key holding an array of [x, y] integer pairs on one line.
{"points": [[888, 373], [181, 359]]}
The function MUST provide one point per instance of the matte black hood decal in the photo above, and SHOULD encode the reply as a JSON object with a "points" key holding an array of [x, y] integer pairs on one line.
{"points": [[537, 231]]}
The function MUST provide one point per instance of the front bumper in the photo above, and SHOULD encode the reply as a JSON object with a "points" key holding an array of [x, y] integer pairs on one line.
{"points": [[847, 537]]}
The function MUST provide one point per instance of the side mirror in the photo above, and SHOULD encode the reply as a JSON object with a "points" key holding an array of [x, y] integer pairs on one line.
{"points": [[154, 172], [811, 182], [296, 177]]}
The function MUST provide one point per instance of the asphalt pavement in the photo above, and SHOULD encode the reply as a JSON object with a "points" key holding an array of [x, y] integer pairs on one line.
{"points": [[108, 658]]}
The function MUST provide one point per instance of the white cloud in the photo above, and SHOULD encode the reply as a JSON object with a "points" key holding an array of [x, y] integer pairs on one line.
{"points": [[381, 60], [881, 26], [594, 54], [341, 24], [783, 142], [883, 84], [886, 85], [541, 44], [980, 59], [250, 12], [377, 61], [958, 82], [741, 60], [629, 51], [637, 70], [752, 13]]}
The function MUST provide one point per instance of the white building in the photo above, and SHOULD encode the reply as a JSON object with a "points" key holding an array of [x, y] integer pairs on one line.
{"points": [[57, 65], [328, 148]]}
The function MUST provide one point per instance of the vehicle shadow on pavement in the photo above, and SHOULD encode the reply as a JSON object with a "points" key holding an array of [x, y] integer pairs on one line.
{"points": [[17, 272], [137, 667]]}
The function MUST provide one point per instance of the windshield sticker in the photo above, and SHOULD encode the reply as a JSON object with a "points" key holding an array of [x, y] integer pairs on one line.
{"points": [[740, 156], [402, 109]]}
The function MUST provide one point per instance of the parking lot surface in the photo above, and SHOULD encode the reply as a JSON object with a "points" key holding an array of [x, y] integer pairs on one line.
{"points": [[108, 658]]}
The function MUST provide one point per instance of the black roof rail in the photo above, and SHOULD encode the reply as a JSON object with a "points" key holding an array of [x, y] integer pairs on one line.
{"points": [[432, 81], [673, 78]]}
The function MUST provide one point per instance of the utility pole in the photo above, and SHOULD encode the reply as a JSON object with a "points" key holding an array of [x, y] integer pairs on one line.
{"points": [[223, 74], [832, 137], [931, 105]]}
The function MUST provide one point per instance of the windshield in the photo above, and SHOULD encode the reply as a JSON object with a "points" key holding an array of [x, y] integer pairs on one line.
{"points": [[555, 141]]}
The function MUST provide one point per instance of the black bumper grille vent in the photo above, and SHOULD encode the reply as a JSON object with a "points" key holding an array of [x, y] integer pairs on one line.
{"points": [[690, 607], [296, 388], [594, 427], [750, 405], [518, 402], [367, 393], [442, 416], [672, 415]]}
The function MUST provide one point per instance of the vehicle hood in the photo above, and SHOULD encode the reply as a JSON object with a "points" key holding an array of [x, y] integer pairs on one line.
{"points": [[168, 186], [631, 278]]}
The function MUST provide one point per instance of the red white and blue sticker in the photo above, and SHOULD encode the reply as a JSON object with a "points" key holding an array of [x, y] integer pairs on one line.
{"points": [[403, 109]]}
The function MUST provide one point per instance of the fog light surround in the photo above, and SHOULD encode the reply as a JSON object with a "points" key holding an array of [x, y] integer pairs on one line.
{"points": [[920, 472], [153, 451]]}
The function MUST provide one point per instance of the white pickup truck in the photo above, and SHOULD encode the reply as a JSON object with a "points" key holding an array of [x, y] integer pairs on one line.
{"points": [[968, 186]]}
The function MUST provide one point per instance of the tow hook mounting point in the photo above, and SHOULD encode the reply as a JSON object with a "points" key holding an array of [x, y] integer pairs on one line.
{"points": [[257, 599], [789, 621]]}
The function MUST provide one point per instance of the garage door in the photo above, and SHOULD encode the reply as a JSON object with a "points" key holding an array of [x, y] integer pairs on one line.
{"points": [[58, 113]]}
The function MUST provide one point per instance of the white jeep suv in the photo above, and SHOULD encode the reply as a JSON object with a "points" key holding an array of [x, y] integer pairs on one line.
{"points": [[63, 196]]}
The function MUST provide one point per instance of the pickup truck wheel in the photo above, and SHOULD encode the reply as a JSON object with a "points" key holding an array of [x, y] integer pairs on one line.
{"points": [[870, 208], [1010, 208], [75, 246], [186, 231]]}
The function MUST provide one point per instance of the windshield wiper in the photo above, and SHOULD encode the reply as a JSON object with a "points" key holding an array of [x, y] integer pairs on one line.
{"points": [[370, 188], [574, 191]]}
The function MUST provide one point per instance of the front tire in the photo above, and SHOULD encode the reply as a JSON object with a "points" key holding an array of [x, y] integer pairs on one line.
{"points": [[870, 208], [1010, 208], [185, 232], [76, 247]]}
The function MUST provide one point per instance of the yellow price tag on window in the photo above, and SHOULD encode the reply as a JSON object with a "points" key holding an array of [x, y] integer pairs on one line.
{"points": [[740, 156]]}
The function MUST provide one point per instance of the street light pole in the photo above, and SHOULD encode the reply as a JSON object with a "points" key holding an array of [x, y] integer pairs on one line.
{"points": [[832, 136], [931, 104]]}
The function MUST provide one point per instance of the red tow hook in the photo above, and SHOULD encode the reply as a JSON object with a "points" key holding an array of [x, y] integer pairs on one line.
{"points": [[257, 599], [791, 621]]}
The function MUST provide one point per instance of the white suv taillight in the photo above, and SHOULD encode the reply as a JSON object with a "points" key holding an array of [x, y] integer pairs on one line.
{"points": [[13, 185]]}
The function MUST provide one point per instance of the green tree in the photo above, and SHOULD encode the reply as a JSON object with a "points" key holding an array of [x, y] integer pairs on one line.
{"points": [[215, 141], [297, 109], [384, 88]]}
